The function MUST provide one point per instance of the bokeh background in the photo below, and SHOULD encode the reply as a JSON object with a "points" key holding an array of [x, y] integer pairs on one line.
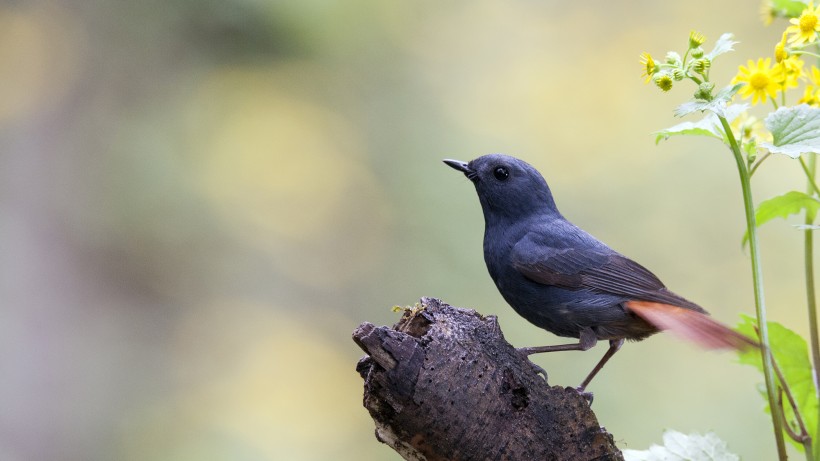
{"points": [[201, 199]]}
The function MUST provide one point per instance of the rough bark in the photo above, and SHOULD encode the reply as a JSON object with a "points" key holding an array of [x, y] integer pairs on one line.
{"points": [[443, 384]]}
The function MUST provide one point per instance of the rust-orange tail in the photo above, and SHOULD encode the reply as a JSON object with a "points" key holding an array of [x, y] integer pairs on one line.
{"points": [[691, 325]]}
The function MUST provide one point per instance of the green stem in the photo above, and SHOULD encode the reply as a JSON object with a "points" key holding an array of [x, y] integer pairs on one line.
{"points": [[757, 278], [809, 170], [805, 52], [811, 303], [803, 437], [757, 165], [812, 308]]}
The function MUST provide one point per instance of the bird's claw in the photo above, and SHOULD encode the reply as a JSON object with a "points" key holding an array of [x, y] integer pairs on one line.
{"points": [[538, 370]]}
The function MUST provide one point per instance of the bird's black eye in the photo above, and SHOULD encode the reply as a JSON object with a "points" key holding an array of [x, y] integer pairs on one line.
{"points": [[501, 173]]}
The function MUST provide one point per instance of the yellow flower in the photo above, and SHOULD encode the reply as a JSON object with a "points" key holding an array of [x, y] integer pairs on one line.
{"points": [[749, 127], [805, 27], [767, 13], [791, 69], [762, 81], [815, 76], [811, 96], [649, 66]]}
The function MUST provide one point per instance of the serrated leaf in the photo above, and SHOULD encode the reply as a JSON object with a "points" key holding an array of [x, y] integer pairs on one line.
{"points": [[709, 125], [717, 104], [783, 206], [681, 447], [700, 105], [792, 356], [723, 45], [795, 130]]}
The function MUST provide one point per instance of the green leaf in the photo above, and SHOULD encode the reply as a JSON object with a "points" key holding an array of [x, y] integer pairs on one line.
{"points": [[709, 125], [723, 45], [728, 92], [682, 447], [792, 357], [787, 8], [795, 130], [717, 104], [783, 206]]}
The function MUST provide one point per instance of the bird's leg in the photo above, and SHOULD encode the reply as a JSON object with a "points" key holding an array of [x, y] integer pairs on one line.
{"points": [[586, 341], [614, 346]]}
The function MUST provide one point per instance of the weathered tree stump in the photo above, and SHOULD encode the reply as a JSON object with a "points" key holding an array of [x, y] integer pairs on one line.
{"points": [[444, 384]]}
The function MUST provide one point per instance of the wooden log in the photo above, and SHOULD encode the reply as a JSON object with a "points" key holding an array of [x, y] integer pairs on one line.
{"points": [[444, 384]]}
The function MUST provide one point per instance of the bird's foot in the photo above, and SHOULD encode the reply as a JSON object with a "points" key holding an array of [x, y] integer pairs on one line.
{"points": [[537, 369], [540, 371]]}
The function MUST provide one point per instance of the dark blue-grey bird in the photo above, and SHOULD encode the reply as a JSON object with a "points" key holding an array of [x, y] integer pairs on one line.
{"points": [[566, 281]]}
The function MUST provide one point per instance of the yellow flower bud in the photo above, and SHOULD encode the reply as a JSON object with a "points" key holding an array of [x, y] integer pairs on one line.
{"points": [[701, 65], [696, 39], [673, 58], [705, 91], [780, 52], [664, 82]]}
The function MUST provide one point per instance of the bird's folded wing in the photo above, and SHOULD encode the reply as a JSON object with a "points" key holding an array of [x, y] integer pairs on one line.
{"points": [[596, 268], [603, 270]]}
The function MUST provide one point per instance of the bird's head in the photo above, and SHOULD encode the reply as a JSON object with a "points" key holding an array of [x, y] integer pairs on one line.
{"points": [[507, 187]]}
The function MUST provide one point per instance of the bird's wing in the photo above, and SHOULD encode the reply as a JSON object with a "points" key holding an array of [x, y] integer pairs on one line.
{"points": [[591, 265], [582, 265]]}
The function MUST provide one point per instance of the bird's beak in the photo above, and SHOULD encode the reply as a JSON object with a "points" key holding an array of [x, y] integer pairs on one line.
{"points": [[458, 165]]}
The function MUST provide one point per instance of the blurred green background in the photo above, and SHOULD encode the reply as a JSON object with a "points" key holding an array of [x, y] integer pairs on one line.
{"points": [[200, 200]]}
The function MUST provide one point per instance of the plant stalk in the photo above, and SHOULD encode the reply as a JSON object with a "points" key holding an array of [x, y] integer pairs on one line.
{"points": [[811, 300], [803, 438], [812, 187], [757, 279]]}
